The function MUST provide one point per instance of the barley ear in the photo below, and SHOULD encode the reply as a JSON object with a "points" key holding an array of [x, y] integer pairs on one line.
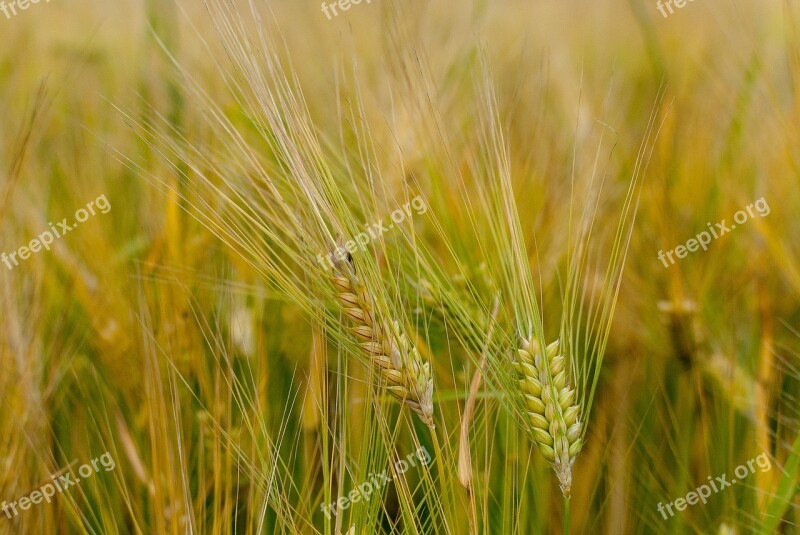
{"points": [[550, 406], [408, 377]]}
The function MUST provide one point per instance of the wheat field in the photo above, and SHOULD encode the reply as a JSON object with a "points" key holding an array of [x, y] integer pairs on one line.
{"points": [[426, 267]]}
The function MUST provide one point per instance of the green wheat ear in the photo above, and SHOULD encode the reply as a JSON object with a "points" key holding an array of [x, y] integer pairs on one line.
{"points": [[549, 403], [408, 377]]}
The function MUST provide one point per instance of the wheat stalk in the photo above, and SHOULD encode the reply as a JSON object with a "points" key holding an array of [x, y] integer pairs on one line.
{"points": [[550, 407], [408, 377]]}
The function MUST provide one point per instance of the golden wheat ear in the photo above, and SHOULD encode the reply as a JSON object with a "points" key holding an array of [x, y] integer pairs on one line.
{"points": [[408, 377], [549, 400]]}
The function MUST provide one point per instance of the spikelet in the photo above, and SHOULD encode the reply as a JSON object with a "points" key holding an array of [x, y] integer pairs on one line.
{"points": [[408, 377], [550, 407]]}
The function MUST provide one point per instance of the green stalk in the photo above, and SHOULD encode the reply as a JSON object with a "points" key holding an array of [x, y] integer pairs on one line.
{"points": [[787, 489]]}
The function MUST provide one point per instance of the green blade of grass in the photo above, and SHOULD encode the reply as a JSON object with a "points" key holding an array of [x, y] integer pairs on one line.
{"points": [[787, 489]]}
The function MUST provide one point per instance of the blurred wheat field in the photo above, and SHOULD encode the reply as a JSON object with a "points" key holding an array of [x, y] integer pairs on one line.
{"points": [[335, 254]]}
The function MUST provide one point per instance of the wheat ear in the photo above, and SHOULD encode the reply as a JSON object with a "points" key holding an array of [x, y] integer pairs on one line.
{"points": [[549, 403], [408, 377]]}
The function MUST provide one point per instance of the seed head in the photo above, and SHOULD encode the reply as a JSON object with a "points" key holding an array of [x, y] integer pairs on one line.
{"points": [[408, 377], [549, 406]]}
